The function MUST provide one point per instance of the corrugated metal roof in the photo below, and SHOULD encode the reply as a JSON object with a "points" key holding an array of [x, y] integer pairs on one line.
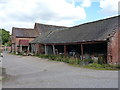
{"points": [[24, 42]]}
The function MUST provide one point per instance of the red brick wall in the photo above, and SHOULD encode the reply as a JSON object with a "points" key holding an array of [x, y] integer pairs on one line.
{"points": [[36, 48], [24, 42], [39, 49], [16, 41], [119, 45], [114, 49]]}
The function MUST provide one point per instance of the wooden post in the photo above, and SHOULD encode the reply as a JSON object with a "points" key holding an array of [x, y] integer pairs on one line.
{"points": [[28, 49], [36, 49], [65, 50], [53, 49], [39, 49], [82, 53], [14, 48], [20, 48], [32, 48], [11, 48], [45, 49]]}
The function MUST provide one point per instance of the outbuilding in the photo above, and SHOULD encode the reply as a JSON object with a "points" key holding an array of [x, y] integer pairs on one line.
{"points": [[98, 39], [21, 37]]}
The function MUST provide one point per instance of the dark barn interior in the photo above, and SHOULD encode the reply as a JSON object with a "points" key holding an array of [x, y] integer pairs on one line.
{"points": [[90, 50]]}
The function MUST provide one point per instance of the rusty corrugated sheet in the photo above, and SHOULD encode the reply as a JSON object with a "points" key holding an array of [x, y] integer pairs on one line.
{"points": [[24, 42]]}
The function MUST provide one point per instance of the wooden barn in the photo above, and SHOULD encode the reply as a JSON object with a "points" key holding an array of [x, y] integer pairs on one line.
{"points": [[98, 39]]}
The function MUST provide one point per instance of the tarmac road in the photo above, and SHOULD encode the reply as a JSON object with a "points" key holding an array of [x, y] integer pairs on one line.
{"points": [[0, 73], [33, 72]]}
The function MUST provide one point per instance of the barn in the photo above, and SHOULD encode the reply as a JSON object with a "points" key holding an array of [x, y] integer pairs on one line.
{"points": [[21, 37], [98, 39], [44, 30]]}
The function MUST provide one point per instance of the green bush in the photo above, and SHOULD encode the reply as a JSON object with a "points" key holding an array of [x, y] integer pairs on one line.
{"points": [[88, 61], [58, 58], [102, 66], [101, 59], [65, 59], [91, 61], [52, 57], [62, 58], [19, 54], [73, 60], [94, 65], [115, 66], [43, 56]]}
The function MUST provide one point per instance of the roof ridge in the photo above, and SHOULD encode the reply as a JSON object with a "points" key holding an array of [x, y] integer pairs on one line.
{"points": [[86, 23], [95, 21], [22, 28], [50, 25]]}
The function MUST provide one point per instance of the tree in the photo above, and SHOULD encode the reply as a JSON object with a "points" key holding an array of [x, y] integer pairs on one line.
{"points": [[4, 36]]}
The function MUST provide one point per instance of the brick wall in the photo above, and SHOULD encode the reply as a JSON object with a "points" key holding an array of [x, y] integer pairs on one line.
{"points": [[16, 41], [39, 49], [114, 49], [119, 45]]}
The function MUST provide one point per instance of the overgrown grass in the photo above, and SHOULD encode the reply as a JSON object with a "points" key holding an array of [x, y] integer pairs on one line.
{"points": [[88, 63], [102, 66], [60, 58]]}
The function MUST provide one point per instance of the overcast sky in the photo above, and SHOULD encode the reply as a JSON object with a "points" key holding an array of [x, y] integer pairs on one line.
{"points": [[24, 13]]}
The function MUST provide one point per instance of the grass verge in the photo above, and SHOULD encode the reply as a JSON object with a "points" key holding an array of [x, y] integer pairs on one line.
{"points": [[77, 62]]}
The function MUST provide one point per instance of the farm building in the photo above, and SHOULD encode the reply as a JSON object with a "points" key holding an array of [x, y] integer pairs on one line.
{"points": [[21, 37], [43, 30], [98, 39]]}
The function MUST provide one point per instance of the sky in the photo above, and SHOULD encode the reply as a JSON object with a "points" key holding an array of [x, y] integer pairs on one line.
{"points": [[24, 13]]}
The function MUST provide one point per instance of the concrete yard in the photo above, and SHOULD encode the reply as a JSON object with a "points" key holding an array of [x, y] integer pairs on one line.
{"points": [[33, 72]]}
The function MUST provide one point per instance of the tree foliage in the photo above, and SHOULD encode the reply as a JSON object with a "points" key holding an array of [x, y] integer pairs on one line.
{"points": [[4, 36]]}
